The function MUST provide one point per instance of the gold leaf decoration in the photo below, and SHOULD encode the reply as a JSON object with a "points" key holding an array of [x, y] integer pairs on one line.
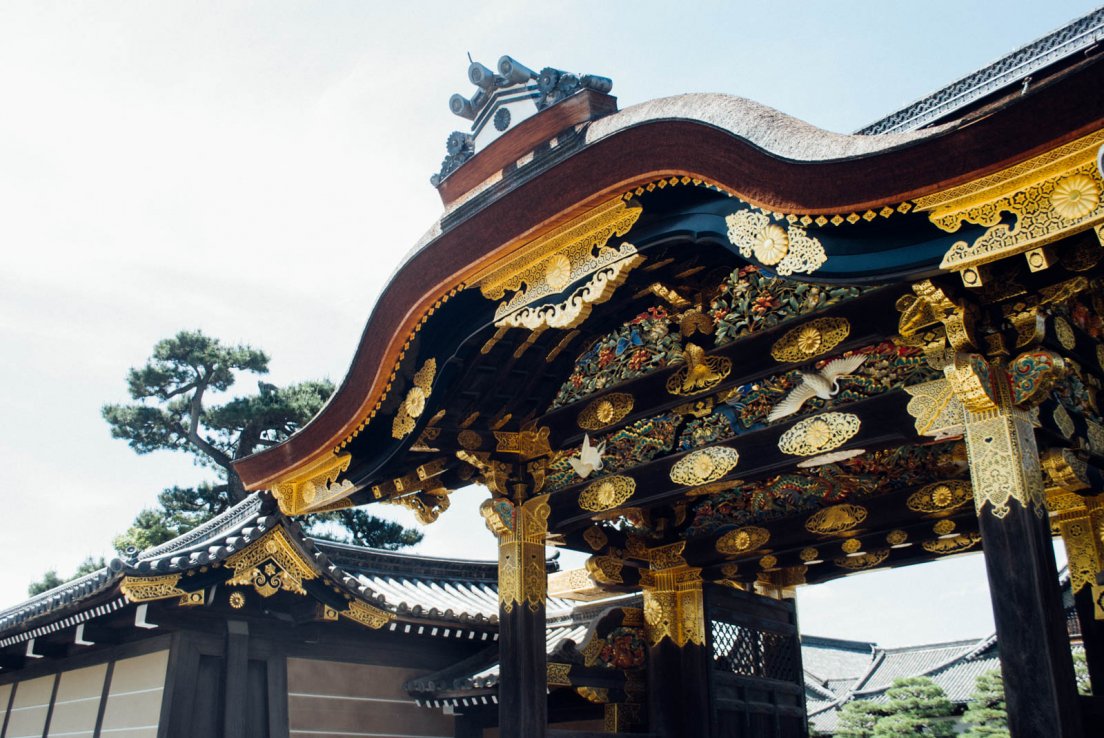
{"points": [[701, 373], [414, 404], [366, 615], [868, 560], [941, 496], [605, 411], [768, 562], [896, 537], [595, 538], [1063, 331], [809, 554], [937, 411], [271, 564], [606, 493], [851, 545], [704, 466], [836, 519], [943, 527], [819, 434], [469, 440], [742, 540], [811, 339], [1075, 196], [789, 251], [955, 544]]}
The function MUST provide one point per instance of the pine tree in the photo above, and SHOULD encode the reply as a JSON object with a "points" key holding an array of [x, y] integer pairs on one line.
{"points": [[857, 719], [915, 705], [986, 712]]}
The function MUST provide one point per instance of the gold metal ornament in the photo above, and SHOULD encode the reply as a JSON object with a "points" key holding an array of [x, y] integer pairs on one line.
{"points": [[896, 538], [867, 560], [788, 251], [1063, 331], [237, 600], [163, 587], [768, 562], [742, 540], [940, 497], [595, 538], [836, 519], [818, 434], [271, 564], [943, 527], [315, 486], [851, 545], [366, 615], [566, 254], [558, 674], [704, 466], [605, 411], [1075, 196], [413, 405], [953, 544], [808, 554], [701, 373], [938, 413], [1063, 420], [607, 493], [521, 531], [812, 339], [469, 440]]}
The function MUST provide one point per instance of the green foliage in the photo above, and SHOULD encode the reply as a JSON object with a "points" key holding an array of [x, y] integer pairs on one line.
{"points": [[173, 411], [915, 705], [1081, 672], [986, 712], [858, 718], [51, 579]]}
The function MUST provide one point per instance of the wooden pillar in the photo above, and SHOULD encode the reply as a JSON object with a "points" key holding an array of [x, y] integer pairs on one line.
{"points": [[1040, 691], [678, 664], [236, 679], [522, 587]]}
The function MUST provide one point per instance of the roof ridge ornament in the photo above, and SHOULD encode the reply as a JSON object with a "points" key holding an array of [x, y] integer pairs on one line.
{"points": [[504, 99]]}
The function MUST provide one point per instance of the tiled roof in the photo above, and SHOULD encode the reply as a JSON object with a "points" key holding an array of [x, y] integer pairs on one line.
{"points": [[893, 663], [1078, 35]]}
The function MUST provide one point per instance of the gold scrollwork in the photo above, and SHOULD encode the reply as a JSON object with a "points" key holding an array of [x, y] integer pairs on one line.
{"points": [[836, 519], [559, 674], [940, 497], [271, 564], [943, 527], [896, 537], [606, 493], [569, 252], [812, 339], [704, 466], [528, 444], [701, 373], [742, 540], [237, 600], [791, 251], [413, 405], [469, 440], [1004, 461], [605, 411], [815, 435], [938, 413], [366, 615], [867, 560], [315, 486], [673, 606], [605, 569], [1050, 196], [163, 587], [954, 544]]}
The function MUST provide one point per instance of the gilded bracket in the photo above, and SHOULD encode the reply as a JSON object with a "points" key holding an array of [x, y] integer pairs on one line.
{"points": [[271, 564], [521, 530], [149, 589], [315, 486]]}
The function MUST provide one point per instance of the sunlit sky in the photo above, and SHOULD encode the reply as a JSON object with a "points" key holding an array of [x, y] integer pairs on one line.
{"points": [[256, 170]]}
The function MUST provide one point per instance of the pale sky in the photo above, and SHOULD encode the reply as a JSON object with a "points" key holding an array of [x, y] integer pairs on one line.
{"points": [[256, 170]]}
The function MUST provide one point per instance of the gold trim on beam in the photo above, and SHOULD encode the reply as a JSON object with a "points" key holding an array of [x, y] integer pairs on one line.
{"points": [[271, 564], [164, 587], [1052, 195]]}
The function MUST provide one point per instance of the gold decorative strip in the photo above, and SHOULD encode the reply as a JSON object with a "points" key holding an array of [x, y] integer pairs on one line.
{"points": [[813, 436], [743, 540], [816, 337], [521, 531], [938, 413], [568, 253], [163, 587], [558, 674], [605, 411], [836, 519], [867, 560], [704, 466], [315, 486], [414, 404], [607, 493], [271, 564], [956, 544]]}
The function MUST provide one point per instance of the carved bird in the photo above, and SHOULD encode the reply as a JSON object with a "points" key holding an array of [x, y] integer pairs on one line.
{"points": [[698, 372], [823, 384], [590, 458]]}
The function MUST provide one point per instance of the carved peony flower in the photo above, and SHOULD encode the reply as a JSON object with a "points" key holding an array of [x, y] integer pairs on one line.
{"points": [[1075, 197], [771, 245]]}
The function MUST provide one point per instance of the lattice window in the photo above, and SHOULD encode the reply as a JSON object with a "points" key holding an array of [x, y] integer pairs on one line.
{"points": [[746, 651]]}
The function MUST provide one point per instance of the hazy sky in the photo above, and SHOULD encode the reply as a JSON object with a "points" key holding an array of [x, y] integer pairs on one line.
{"points": [[256, 170]]}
